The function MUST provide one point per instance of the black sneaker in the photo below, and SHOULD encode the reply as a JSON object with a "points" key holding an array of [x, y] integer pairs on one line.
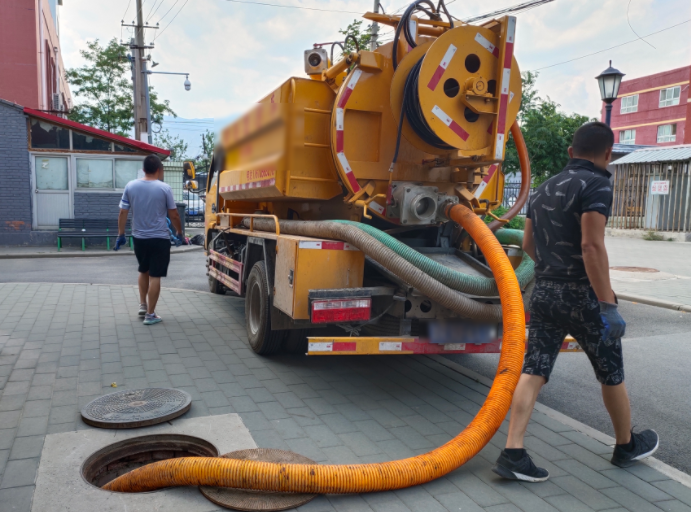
{"points": [[523, 469], [644, 445]]}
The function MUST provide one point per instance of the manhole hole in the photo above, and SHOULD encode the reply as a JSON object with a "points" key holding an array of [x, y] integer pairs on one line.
{"points": [[122, 457], [136, 408], [250, 501], [635, 269]]}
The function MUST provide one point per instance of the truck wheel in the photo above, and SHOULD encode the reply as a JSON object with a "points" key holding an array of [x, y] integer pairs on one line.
{"points": [[216, 286], [296, 341], [262, 339]]}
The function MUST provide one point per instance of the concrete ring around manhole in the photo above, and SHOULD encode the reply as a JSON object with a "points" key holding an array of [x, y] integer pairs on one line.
{"points": [[647, 270], [251, 501], [136, 408], [114, 460]]}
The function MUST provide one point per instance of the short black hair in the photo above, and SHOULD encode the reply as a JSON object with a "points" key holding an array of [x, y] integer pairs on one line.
{"points": [[152, 164], [592, 139]]}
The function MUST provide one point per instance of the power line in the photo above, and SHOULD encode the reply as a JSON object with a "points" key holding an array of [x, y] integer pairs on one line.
{"points": [[514, 9], [166, 14], [292, 7], [171, 21], [151, 14], [126, 9], [628, 20], [610, 48]]}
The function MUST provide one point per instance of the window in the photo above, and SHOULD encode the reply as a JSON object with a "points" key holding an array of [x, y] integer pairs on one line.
{"points": [[92, 173], [123, 149], [629, 104], [627, 137], [126, 171], [51, 173], [83, 142], [667, 133], [670, 96], [106, 173], [49, 136]]}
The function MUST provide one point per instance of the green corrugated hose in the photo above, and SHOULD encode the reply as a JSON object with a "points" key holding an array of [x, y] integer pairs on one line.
{"points": [[472, 285]]}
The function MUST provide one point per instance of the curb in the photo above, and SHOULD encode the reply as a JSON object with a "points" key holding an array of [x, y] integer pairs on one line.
{"points": [[100, 254], [658, 465], [650, 301]]}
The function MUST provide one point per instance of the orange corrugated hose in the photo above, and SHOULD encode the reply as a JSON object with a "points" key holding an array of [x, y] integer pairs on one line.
{"points": [[385, 476], [524, 193]]}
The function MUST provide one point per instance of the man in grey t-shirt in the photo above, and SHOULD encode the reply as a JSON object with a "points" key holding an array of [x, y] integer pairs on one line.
{"points": [[150, 201]]}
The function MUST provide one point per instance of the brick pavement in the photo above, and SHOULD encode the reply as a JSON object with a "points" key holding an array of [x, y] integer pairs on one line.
{"points": [[63, 345]]}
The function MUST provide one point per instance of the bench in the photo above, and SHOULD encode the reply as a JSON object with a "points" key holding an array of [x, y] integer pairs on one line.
{"points": [[91, 228]]}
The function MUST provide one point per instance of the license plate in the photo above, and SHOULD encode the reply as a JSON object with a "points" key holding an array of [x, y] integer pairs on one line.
{"points": [[320, 347], [390, 346], [461, 333]]}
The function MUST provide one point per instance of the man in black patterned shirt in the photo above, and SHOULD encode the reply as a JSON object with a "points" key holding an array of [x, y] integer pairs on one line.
{"points": [[565, 236]]}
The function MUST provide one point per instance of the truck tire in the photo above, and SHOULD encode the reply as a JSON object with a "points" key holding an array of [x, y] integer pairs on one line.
{"points": [[261, 338], [215, 286], [296, 341]]}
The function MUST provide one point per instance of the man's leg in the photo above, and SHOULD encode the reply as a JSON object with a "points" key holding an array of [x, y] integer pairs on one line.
{"points": [[154, 292], [524, 399], [143, 286], [619, 408]]}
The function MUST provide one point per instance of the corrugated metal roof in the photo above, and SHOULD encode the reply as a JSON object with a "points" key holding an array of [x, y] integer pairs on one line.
{"points": [[665, 154], [625, 149]]}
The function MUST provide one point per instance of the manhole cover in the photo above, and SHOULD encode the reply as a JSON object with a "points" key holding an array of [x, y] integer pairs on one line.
{"points": [[249, 501], [635, 269], [136, 408]]}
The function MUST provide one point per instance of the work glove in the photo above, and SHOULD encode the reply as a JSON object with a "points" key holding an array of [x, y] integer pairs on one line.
{"points": [[176, 241], [613, 325], [119, 242]]}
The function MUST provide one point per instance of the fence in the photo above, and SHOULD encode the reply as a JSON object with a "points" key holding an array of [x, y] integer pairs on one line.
{"points": [[511, 191], [173, 176], [653, 196]]}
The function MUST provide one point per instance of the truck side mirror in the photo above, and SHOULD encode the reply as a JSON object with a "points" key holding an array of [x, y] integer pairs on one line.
{"points": [[188, 169]]}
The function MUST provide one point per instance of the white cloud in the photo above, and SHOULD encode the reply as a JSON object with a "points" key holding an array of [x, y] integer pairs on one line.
{"points": [[236, 53]]}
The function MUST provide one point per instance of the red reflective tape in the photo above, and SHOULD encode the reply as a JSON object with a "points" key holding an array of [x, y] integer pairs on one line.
{"points": [[490, 173], [458, 130], [332, 246], [503, 105], [344, 346], [353, 182], [491, 126], [508, 56], [345, 97], [495, 52], [339, 141], [434, 81]]}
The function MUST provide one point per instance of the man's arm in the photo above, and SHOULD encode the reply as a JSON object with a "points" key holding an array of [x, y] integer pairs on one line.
{"points": [[529, 240], [595, 254], [122, 221], [175, 220]]}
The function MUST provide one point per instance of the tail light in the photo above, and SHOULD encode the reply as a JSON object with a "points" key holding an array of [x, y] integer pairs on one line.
{"points": [[341, 310]]}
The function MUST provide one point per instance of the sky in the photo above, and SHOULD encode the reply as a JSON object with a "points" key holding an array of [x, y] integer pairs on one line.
{"points": [[236, 52]]}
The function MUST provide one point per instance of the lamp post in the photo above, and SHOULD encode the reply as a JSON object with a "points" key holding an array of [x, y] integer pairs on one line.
{"points": [[187, 84], [609, 81]]}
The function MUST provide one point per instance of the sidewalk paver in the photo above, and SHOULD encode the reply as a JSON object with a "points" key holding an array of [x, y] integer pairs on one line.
{"points": [[64, 345]]}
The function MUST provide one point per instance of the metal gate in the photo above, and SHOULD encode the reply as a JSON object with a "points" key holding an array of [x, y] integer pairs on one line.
{"points": [[651, 196], [195, 205]]}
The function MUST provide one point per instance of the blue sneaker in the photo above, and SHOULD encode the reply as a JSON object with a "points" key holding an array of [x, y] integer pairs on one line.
{"points": [[151, 319]]}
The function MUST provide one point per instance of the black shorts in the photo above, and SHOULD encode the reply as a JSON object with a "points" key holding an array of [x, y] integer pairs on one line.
{"points": [[560, 308], [153, 255]]}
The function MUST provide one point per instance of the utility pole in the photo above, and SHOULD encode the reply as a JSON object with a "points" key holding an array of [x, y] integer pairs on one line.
{"points": [[375, 29], [140, 79]]}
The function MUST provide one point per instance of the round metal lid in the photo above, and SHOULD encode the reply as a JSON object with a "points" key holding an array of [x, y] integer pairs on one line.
{"points": [[250, 501], [136, 408]]}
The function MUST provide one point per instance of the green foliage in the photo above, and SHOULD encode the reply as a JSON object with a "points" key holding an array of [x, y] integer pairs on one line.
{"points": [[517, 222], [209, 141], [548, 133], [103, 88], [655, 237], [355, 30], [178, 147]]}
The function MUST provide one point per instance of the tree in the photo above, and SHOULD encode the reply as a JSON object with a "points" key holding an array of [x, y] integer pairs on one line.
{"points": [[548, 133], [177, 147], [355, 30], [208, 145], [104, 86]]}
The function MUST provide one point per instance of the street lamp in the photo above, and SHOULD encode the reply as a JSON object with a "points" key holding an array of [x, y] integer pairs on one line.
{"points": [[609, 82], [187, 84]]}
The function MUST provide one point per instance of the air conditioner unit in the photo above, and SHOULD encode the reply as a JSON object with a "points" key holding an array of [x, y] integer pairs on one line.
{"points": [[57, 102]]}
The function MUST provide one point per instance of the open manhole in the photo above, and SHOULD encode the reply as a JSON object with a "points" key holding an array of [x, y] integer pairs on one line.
{"points": [[647, 270], [122, 457]]}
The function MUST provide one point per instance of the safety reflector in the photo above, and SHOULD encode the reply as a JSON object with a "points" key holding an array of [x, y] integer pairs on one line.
{"points": [[341, 310]]}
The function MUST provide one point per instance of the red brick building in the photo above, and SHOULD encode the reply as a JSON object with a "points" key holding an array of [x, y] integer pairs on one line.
{"points": [[652, 110], [31, 68]]}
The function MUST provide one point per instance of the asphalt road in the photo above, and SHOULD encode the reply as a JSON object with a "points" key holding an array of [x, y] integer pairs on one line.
{"points": [[656, 356], [656, 350]]}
